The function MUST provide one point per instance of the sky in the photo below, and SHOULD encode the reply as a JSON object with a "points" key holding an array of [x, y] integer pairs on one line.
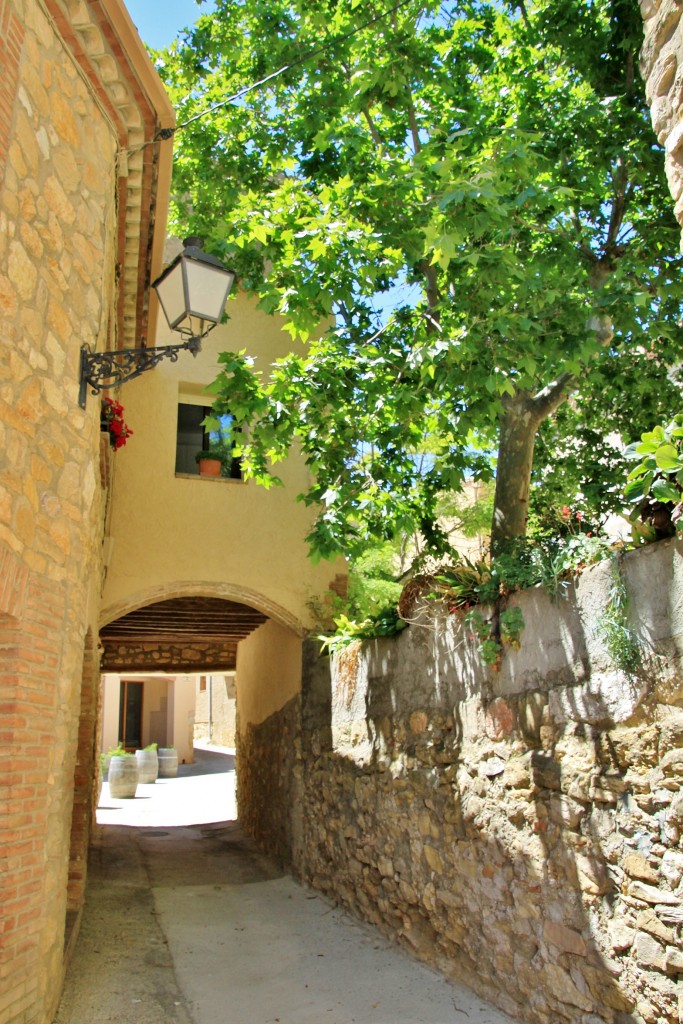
{"points": [[159, 21]]}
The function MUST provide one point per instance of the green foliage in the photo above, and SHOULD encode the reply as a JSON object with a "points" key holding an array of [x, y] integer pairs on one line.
{"points": [[524, 563], [655, 485], [210, 453], [511, 626], [579, 451], [474, 200], [504, 629], [151, 746], [623, 645], [385, 623], [372, 581], [489, 648]]}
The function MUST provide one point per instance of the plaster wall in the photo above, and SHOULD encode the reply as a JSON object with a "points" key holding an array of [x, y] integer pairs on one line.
{"points": [[180, 716], [216, 710], [178, 534], [268, 740], [168, 712], [268, 672]]}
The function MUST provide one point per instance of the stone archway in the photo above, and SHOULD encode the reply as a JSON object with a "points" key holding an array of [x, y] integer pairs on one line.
{"points": [[225, 591], [263, 645]]}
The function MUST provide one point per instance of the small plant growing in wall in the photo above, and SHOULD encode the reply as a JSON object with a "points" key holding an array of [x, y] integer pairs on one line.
{"points": [[624, 646], [504, 628]]}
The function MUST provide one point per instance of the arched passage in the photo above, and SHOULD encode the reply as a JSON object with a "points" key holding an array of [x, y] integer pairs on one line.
{"points": [[220, 628]]}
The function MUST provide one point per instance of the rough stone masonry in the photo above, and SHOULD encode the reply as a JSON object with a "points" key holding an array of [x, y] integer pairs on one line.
{"points": [[519, 830]]}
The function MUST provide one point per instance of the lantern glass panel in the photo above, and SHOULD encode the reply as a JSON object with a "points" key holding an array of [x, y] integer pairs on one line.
{"points": [[172, 295], [207, 290]]}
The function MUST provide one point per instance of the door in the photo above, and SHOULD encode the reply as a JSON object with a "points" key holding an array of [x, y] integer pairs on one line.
{"points": [[130, 714]]}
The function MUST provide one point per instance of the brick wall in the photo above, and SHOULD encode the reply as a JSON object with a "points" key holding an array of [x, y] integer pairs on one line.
{"points": [[57, 280], [86, 775], [11, 41]]}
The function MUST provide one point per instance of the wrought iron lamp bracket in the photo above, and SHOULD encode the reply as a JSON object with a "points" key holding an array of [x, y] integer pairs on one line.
{"points": [[103, 370]]}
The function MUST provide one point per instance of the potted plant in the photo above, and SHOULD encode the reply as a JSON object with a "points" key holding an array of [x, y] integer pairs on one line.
{"points": [[123, 776], [148, 763], [168, 762], [105, 759], [210, 463]]}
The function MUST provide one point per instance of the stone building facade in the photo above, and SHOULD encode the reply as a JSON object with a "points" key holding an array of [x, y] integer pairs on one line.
{"points": [[91, 541], [661, 65], [80, 105]]}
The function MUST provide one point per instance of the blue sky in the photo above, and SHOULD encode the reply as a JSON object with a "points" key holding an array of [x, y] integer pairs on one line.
{"points": [[159, 21]]}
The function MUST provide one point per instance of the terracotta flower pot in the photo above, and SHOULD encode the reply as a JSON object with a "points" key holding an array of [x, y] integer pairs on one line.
{"points": [[209, 467]]}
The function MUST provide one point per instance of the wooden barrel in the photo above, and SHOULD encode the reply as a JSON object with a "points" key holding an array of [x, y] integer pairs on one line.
{"points": [[123, 777], [148, 765], [168, 762]]}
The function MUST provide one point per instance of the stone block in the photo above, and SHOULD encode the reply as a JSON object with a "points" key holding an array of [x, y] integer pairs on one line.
{"points": [[649, 952], [648, 921], [650, 894], [567, 940], [560, 984], [635, 865]]}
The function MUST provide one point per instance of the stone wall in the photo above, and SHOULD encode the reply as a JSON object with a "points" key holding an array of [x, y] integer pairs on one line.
{"points": [[661, 66], [216, 710], [269, 782], [57, 246], [71, 86], [518, 830]]}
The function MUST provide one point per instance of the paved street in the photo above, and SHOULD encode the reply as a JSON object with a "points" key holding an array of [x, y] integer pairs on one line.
{"points": [[186, 923]]}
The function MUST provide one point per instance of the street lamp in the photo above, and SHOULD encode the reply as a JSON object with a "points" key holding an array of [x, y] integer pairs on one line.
{"points": [[192, 291]]}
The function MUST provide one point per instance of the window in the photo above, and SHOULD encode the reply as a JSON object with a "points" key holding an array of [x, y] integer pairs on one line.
{"points": [[192, 437]]}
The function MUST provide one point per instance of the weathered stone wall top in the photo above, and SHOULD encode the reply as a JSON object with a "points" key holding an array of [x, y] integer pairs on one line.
{"points": [[435, 663], [519, 830]]}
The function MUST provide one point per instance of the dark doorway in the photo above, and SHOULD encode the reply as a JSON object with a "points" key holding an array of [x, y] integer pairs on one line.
{"points": [[130, 715]]}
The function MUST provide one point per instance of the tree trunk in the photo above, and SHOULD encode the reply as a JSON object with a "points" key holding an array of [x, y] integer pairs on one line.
{"points": [[518, 426], [522, 416]]}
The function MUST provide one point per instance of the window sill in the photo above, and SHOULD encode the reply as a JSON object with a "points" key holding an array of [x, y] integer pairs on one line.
{"points": [[210, 479]]}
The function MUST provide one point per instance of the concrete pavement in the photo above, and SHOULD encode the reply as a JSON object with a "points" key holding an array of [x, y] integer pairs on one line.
{"points": [[186, 923]]}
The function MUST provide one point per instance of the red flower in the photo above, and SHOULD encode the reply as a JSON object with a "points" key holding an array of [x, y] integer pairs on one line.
{"points": [[111, 419]]}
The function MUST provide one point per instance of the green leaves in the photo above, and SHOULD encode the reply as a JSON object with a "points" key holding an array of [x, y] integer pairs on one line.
{"points": [[657, 481], [467, 195]]}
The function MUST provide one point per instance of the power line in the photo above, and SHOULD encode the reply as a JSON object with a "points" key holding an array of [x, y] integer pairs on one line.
{"points": [[167, 133]]}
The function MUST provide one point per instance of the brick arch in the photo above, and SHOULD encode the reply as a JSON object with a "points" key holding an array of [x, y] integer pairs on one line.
{"points": [[226, 591], [86, 775]]}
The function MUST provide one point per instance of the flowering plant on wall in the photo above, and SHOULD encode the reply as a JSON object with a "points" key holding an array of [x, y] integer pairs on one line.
{"points": [[111, 420]]}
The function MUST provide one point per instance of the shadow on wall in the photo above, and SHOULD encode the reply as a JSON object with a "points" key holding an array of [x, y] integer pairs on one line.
{"points": [[518, 830]]}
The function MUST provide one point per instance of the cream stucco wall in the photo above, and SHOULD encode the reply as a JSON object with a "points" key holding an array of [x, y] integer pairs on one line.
{"points": [[168, 711], [173, 535], [268, 673]]}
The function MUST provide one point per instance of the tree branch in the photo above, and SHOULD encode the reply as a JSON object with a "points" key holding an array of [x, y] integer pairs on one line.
{"points": [[376, 137], [412, 121], [546, 401], [429, 273], [620, 179]]}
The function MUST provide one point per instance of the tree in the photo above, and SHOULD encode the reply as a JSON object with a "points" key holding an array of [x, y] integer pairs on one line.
{"points": [[471, 196]]}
